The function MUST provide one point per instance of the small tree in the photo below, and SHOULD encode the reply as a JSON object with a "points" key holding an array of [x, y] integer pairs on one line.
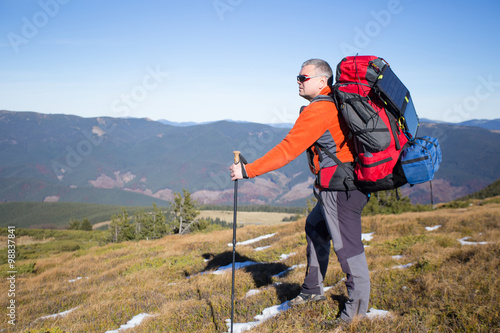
{"points": [[310, 204], [120, 228], [74, 224], [184, 211], [143, 225], [86, 225], [80, 225], [387, 202], [159, 223], [150, 225]]}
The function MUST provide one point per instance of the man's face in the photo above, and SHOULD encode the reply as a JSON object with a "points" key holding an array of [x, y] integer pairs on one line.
{"points": [[312, 86]]}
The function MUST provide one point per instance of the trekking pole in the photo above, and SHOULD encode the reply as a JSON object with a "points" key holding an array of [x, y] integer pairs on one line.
{"points": [[236, 161]]}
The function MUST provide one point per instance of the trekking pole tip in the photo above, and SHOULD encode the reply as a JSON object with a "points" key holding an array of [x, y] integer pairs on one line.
{"points": [[236, 156]]}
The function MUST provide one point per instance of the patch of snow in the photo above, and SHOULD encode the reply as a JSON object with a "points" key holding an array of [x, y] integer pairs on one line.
{"points": [[252, 292], [259, 319], [367, 236], [254, 240], [78, 278], [286, 256], [398, 257], [132, 322], [464, 241], [262, 248], [403, 266], [272, 311], [241, 327], [237, 265], [60, 314], [436, 227], [376, 313], [281, 274]]}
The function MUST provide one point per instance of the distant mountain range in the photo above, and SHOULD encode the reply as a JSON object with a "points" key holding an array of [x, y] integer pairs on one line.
{"points": [[492, 124], [140, 161], [190, 123]]}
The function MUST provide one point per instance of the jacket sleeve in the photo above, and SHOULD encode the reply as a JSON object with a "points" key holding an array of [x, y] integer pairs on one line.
{"points": [[314, 120]]}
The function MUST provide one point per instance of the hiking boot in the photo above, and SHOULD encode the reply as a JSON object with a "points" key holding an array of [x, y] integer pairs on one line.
{"points": [[304, 298]]}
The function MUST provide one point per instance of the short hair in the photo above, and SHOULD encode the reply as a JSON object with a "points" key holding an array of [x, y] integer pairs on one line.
{"points": [[322, 67]]}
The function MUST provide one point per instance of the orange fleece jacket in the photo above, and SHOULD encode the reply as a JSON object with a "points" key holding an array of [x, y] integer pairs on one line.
{"points": [[312, 123]]}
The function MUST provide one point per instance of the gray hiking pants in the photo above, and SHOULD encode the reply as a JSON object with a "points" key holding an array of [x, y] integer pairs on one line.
{"points": [[337, 217]]}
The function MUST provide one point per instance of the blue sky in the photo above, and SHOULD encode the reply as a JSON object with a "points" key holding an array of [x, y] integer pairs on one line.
{"points": [[206, 60]]}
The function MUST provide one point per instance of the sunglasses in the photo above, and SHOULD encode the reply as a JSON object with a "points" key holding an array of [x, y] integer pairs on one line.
{"points": [[304, 78]]}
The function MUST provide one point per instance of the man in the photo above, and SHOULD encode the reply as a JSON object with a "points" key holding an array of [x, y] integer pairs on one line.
{"points": [[321, 132]]}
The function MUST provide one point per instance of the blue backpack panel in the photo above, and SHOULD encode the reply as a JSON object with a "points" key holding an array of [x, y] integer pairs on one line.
{"points": [[421, 159]]}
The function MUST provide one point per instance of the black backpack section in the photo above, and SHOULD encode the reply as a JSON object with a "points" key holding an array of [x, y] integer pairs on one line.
{"points": [[377, 131]]}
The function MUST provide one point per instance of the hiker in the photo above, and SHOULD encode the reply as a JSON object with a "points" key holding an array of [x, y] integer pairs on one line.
{"points": [[337, 215]]}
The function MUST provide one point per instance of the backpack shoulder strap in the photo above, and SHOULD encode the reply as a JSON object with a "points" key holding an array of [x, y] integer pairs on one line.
{"points": [[318, 98], [322, 98]]}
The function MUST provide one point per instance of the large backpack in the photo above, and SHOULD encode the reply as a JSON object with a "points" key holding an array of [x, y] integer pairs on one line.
{"points": [[380, 114]]}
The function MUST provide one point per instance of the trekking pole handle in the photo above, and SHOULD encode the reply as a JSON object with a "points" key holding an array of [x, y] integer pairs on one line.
{"points": [[236, 156]]}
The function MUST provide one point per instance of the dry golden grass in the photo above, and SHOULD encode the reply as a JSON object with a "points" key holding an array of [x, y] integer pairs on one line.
{"points": [[23, 240], [243, 218], [246, 218], [449, 288]]}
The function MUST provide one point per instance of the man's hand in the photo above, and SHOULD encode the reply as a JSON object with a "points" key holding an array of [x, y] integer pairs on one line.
{"points": [[236, 171]]}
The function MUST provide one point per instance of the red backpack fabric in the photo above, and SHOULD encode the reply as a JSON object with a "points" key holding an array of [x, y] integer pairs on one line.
{"points": [[378, 136]]}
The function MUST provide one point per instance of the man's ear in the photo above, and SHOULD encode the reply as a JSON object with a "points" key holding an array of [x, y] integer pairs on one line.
{"points": [[323, 82]]}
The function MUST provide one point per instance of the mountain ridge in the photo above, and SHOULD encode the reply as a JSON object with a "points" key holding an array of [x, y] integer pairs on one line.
{"points": [[53, 157]]}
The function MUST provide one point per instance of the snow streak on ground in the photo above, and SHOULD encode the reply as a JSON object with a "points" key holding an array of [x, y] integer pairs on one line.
{"points": [[403, 266], [272, 311], [237, 265], [436, 227], [78, 278], [286, 256], [281, 274], [255, 240], [60, 314], [259, 319], [375, 313], [276, 309], [367, 236], [464, 241], [131, 323]]}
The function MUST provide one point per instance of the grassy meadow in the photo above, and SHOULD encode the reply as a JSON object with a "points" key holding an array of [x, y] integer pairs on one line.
{"points": [[448, 287], [43, 215], [246, 218]]}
